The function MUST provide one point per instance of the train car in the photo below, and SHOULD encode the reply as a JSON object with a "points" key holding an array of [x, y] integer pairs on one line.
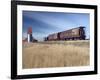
{"points": [[73, 34], [53, 37], [65, 35]]}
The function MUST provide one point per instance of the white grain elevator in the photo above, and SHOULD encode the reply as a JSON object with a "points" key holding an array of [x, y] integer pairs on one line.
{"points": [[29, 35]]}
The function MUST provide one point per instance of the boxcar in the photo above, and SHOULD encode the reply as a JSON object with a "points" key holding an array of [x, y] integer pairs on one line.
{"points": [[76, 33], [53, 36]]}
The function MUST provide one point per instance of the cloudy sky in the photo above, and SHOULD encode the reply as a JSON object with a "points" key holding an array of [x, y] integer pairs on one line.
{"points": [[45, 23]]}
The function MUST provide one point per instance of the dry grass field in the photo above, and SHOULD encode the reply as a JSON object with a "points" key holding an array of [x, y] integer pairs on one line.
{"points": [[55, 54]]}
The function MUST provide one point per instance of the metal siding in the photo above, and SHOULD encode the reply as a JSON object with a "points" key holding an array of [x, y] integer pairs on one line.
{"points": [[70, 33], [28, 37], [53, 36], [75, 32]]}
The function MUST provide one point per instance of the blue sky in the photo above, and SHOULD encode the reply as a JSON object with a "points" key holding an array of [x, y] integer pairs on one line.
{"points": [[45, 23]]}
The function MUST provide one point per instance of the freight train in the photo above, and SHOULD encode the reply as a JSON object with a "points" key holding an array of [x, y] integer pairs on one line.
{"points": [[71, 34]]}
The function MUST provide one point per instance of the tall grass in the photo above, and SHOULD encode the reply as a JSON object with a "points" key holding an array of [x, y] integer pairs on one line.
{"points": [[40, 55]]}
